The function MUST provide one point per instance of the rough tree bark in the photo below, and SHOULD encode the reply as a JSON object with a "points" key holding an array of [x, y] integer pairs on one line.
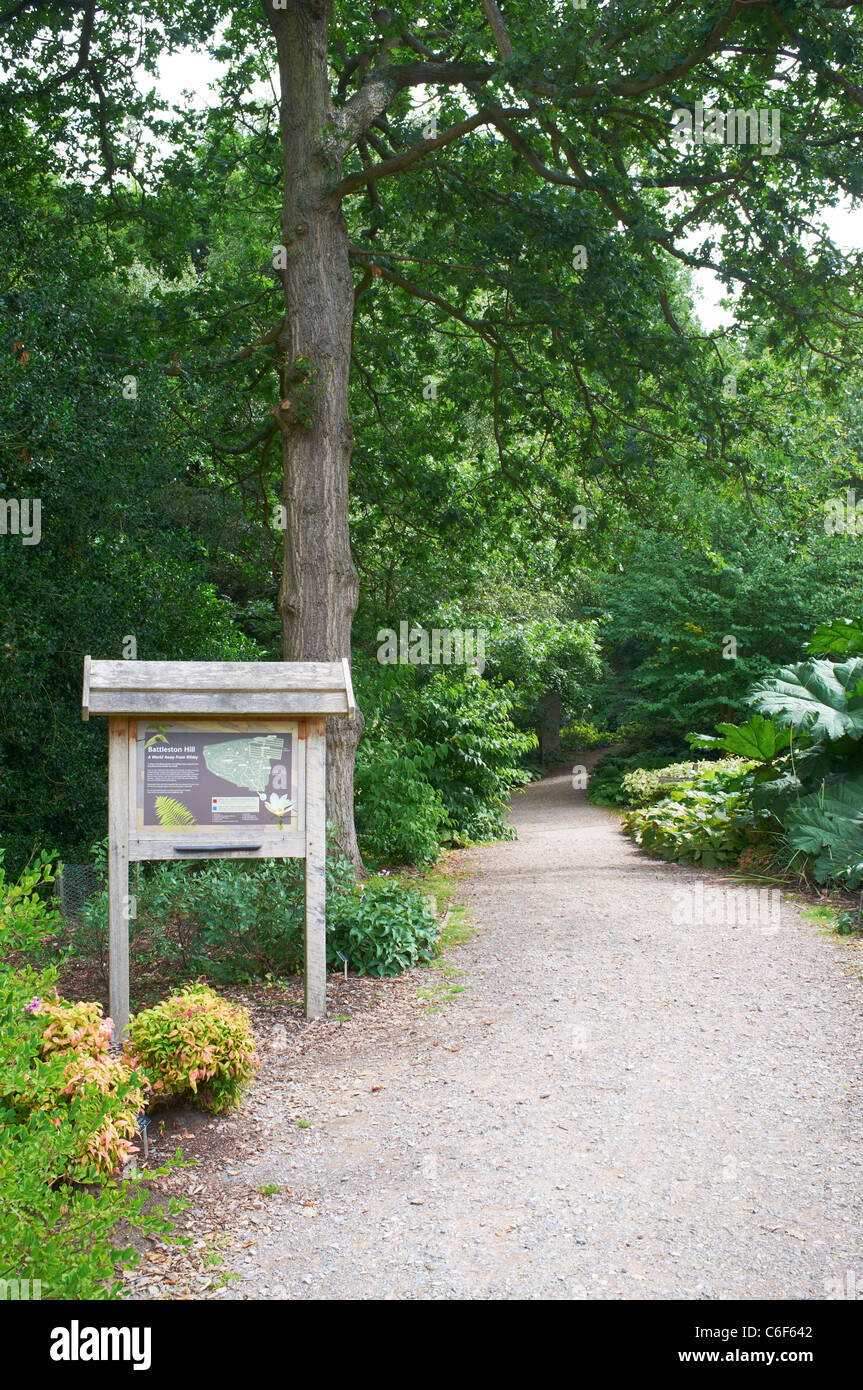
{"points": [[318, 594]]}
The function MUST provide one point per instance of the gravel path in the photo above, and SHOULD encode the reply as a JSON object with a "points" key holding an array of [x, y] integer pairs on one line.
{"points": [[617, 1106]]}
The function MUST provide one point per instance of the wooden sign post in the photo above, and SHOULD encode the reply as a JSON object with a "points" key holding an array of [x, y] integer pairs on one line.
{"points": [[210, 760]]}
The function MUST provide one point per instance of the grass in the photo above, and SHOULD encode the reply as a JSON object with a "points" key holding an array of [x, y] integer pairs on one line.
{"points": [[441, 882], [836, 920]]}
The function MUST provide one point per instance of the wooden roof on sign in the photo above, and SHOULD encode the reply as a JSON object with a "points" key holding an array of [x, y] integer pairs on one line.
{"points": [[217, 687]]}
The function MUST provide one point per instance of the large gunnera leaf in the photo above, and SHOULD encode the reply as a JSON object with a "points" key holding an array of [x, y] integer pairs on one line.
{"points": [[843, 638], [758, 739], [824, 699], [830, 825]]}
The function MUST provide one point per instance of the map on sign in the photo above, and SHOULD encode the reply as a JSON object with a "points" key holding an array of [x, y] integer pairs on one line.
{"points": [[202, 773], [247, 762]]}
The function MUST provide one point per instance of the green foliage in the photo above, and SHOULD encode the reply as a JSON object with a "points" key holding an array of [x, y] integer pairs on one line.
{"points": [[535, 656], [819, 698], [710, 822], [56, 1071], [682, 589], [400, 815], [467, 724], [758, 739], [231, 919], [26, 920], [439, 757], [829, 825], [644, 786], [605, 787], [382, 928], [813, 787], [578, 735], [841, 638], [196, 1047], [67, 1110], [238, 920]]}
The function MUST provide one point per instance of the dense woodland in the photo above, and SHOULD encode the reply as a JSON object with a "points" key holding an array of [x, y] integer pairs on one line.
{"points": [[550, 455], [397, 331]]}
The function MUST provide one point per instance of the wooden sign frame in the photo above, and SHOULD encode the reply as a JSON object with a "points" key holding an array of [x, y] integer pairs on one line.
{"points": [[290, 698]]}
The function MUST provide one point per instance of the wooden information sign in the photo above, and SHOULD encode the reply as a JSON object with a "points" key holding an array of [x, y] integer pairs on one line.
{"points": [[211, 759]]}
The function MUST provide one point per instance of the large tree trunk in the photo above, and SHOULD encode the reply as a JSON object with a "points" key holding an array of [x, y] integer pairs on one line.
{"points": [[319, 584]]}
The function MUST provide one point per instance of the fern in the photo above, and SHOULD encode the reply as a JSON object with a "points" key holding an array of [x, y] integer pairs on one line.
{"points": [[171, 812]]}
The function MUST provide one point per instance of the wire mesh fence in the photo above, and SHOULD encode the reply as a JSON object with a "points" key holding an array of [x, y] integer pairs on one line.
{"points": [[74, 885]]}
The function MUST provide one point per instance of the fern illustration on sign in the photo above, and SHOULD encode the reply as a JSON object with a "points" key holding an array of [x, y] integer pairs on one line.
{"points": [[171, 812]]}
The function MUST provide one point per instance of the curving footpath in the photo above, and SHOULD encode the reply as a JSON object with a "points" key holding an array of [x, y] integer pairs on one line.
{"points": [[625, 1102]]}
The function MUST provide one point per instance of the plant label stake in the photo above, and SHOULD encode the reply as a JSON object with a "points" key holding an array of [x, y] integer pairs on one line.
{"points": [[216, 759]]}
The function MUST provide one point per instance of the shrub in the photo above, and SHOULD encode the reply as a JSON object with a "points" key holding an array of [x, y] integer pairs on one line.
{"points": [[400, 816], [439, 757], [26, 921], [230, 919], [68, 1110], [605, 787], [710, 822], [643, 786], [580, 734], [56, 1071], [467, 724], [195, 1037], [236, 920], [382, 928], [72, 1239]]}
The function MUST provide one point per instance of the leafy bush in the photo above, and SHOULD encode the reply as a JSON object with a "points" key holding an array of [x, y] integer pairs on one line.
{"points": [[476, 753], [400, 815], [828, 824], [194, 1037], [529, 657], [710, 823], [73, 1240], [580, 734], [67, 1110], [382, 928], [643, 786], [234, 919], [26, 921], [815, 789], [56, 1071], [439, 757], [230, 919], [671, 602], [605, 787]]}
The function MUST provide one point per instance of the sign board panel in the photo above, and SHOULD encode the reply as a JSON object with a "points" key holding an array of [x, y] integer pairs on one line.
{"points": [[216, 759], [198, 773]]}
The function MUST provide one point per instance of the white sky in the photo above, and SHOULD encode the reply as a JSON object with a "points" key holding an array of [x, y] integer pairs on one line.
{"points": [[193, 72]]}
